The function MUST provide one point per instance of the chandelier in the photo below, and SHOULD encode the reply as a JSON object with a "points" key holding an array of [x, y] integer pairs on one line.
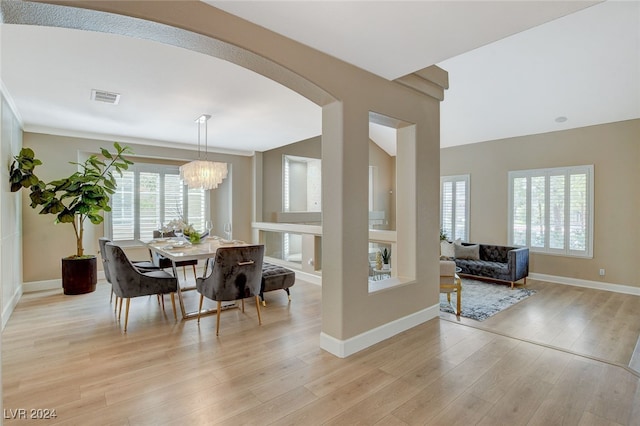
{"points": [[203, 174]]}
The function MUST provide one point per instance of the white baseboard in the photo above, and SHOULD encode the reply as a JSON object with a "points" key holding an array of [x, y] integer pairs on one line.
{"points": [[32, 286], [616, 288], [304, 276], [9, 307], [310, 278], [345, 348]]}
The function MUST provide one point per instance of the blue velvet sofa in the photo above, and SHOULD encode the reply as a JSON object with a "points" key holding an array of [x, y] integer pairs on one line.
{"points": [[500, 263]]}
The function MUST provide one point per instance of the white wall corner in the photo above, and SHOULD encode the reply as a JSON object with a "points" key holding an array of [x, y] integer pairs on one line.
{"points": [[345, 348]]}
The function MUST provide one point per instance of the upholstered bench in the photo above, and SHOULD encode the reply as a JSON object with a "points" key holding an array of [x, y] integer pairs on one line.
{"points": [[276, 277]]}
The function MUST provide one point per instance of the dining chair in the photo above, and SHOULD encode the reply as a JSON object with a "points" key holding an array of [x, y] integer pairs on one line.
{"points": [[127, 281], [142, 265], [450, 282], [235, 275]]}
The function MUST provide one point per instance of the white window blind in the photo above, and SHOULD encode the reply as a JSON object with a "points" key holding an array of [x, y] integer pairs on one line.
{"points": [[454, 206], [551, 210], [149, 192], [196, 208], [122, 204], [147, 195]]}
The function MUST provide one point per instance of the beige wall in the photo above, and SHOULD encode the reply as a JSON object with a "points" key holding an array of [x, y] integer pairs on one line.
{"points": [[351, 316], [272, 173], [312, 148], [45, 243], [613, 149]]}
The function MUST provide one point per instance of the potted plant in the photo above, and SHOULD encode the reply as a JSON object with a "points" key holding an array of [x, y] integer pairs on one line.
{"points": [[74, 199], [386, 256]]}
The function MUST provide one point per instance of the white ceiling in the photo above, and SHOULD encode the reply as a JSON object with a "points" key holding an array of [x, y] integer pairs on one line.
{"points": [[584, 66]]}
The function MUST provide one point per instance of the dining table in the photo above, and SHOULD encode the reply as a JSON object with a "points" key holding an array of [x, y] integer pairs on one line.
{"points": [[180, 249]]}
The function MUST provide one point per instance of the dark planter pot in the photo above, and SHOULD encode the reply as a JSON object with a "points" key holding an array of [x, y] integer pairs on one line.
{"points": [[79, 276]]}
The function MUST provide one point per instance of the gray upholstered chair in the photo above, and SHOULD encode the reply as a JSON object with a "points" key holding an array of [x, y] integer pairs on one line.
{"points": [[450, 282], [127, 281], [236, 274], [142, 265]]}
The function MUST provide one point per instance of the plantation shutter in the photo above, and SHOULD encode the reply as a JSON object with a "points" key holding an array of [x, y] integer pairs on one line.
{"points": [[454, 207], [149, 204], [147, 195], [550, 210], [447, 209], [122, 207], [172, 197], [196, 208]]}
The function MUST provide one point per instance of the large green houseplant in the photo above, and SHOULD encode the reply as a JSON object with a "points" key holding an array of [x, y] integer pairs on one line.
{"points": [[74, 199]]}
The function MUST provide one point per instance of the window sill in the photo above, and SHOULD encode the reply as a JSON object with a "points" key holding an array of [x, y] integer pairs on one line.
{"points": [[561, 254]]}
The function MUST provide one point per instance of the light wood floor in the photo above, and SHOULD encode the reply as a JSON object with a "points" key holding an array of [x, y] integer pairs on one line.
{"points": [[68, 353]]}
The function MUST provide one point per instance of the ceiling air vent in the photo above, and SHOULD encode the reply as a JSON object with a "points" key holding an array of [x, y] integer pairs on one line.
{"points": [[104, 96]]}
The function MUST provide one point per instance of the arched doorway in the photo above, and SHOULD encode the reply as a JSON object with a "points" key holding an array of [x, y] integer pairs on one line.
{"points": [[353, 317]]}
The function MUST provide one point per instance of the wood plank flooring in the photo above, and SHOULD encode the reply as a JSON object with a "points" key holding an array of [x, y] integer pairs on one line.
{"points": [[559, 357]]}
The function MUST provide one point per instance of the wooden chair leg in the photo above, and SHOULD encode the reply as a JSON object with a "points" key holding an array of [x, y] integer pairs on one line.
{"points": [[115, 307], [458, 282], [218, 318], [111, 297], [173, 303], [120, 309], [242, 305], [258, 308], [126, 314], [161, 296], [200, 306], [184, 272], [195, 274]]}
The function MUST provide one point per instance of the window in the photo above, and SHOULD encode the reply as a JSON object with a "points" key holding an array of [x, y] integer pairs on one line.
{"points": [[454, 206], [149, 194], [302, 184], [551, 210]]}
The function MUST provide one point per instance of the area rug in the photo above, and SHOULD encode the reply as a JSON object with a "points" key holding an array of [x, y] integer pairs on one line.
{"points": [[480, 300]]}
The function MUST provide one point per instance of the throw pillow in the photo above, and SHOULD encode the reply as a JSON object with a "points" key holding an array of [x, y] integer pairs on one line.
{"points": [[447, 250], [467, 252]]}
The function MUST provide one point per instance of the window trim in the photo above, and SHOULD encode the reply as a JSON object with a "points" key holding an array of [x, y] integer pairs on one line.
{"points": [[567, 172], [286, 182], [467, 214]]}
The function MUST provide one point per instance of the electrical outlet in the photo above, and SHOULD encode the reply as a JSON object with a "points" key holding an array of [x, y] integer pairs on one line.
{"points": [[602, 272]]}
